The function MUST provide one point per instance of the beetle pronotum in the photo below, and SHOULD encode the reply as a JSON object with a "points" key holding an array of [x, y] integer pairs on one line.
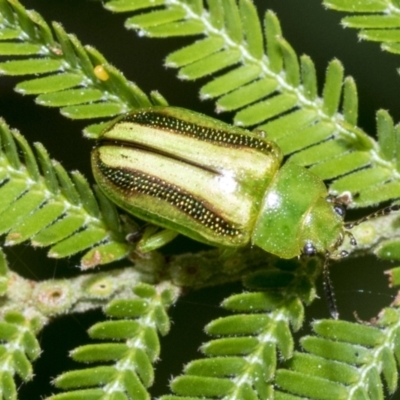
{"points": [[215, 183]]}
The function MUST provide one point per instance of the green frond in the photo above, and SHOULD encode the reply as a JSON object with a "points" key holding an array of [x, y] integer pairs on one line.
{"points": [[273, 90], [242, 357], [377, 20], [344, 361], [131, 347], [43, 203], [77, 79], [269, 90]]}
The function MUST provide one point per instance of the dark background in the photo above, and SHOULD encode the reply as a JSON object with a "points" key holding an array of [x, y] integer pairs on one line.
{"points": [[311, 30]]}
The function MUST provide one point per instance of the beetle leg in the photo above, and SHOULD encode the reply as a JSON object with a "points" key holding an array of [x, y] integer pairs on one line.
{"points": [[353, 240], [337, 244], [328, 288]]}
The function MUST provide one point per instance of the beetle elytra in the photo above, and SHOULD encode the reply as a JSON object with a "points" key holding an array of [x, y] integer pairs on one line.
{"points": [[216, 183]]}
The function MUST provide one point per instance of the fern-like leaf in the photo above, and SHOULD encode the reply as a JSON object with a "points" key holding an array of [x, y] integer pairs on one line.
{"points": [[242, 358], [344, 361], [41, 202], [18, 344], [378, 20], [71, 81], [19, 348], [129, 369], [273, 90], [242, 361]]}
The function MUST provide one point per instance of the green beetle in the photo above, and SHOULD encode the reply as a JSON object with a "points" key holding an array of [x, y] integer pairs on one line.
{"points": [[218, 184]]}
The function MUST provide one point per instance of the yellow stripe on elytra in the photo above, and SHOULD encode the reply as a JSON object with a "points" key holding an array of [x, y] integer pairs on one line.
{"points": [[130, 181], [204, 133]]}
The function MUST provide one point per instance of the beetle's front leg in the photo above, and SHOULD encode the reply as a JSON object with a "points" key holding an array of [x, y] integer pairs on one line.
{"points": [[150, 238]]}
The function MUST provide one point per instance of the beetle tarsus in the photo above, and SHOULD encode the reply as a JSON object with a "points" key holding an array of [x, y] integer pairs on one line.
{"points": [[353, 240]]}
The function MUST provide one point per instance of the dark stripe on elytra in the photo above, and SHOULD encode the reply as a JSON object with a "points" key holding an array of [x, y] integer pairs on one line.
{"points": [[160, 121], [130, 181]]}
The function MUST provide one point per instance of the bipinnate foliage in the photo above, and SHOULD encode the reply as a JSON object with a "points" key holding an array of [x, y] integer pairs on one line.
{"points": [[19, 346], [274, 90], [43, 203], [69, 80], [344, 361], [130, 347], [341, 361], [253, 71], [18, 350], [241, 360]]}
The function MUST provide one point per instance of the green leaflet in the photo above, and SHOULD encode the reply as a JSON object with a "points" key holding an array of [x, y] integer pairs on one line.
{"points": [[347, 162], [362, 180], [128, 5], [247, 94], [378, 35], [210, 64], [33, 66], [313, 387], [231, 325], [69, 97], [361, 6], [307, 133], [309, 79], [389, 250], [350, 101], [251, 29], [180, 28], [21, 209], [194, 52], [95, 110], [332, 87], [78, 242], [156, 18], [255, 114], [33, 223], [14, 49], [231, 81], [372, 21], [53, 83], [9, 34], [201, 386]]}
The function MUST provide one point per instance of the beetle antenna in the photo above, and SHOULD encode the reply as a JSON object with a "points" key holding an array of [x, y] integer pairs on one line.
{"points": [[328, 288], [379, 213]]}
